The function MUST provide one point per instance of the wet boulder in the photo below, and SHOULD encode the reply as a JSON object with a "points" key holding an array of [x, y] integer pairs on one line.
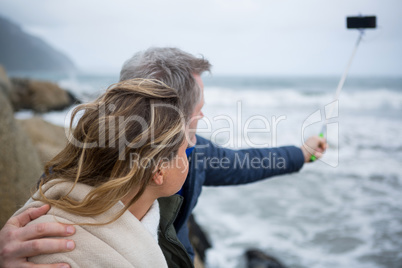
{"points": [[257, 259], [47, 138], [20, 166], [39, 96]]}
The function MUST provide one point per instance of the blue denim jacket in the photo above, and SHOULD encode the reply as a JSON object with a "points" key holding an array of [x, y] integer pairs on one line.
{"points": [[211, 165]]}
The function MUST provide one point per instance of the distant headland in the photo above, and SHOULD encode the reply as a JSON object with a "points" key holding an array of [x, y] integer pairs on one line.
{"points": [[20, 51]]}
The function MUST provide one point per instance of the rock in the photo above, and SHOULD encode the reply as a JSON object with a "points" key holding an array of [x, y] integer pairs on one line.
{"points": [[5, 84], [198, 263], [47, 138], [258, 259], [25, 145], [199, 241], [20, 167], [39, 96]]}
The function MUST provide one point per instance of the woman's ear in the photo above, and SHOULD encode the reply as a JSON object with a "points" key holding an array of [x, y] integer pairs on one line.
{"points": [[158, 177]]}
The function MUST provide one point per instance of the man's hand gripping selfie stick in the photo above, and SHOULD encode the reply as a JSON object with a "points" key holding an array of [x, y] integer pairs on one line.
{"points": [[359, 23]]}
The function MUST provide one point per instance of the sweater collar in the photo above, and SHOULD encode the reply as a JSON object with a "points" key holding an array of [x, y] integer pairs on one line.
{"points": [[151, 220]]}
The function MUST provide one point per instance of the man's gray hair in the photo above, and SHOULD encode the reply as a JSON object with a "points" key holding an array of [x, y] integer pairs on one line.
{"points": [[172, 66]]}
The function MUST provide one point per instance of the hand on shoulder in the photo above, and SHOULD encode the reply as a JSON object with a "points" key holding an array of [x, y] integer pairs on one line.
{"points": [[19, 240]]}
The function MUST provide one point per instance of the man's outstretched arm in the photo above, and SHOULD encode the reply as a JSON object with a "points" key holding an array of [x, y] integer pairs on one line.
{"points": [[19, 241], [230, 167]]}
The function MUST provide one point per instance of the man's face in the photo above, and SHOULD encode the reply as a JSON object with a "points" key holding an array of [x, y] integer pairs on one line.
{"points": [[197, 113]]}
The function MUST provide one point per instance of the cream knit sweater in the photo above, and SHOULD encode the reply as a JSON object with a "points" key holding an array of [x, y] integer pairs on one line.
{"points": [[123, 243]]}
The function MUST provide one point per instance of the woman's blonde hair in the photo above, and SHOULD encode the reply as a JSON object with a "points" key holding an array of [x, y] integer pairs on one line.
{"points": [[138, 117]]}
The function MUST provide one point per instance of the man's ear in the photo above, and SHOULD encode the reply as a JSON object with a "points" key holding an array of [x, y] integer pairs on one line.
{"points": [[158, 177]]}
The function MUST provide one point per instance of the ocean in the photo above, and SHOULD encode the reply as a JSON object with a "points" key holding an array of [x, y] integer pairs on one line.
{"points": [[344, 210]]}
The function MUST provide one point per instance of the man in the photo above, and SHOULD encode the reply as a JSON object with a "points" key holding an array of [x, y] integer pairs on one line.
{"points": [[182, 71]]}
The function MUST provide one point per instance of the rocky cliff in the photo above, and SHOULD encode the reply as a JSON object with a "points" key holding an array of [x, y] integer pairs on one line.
{"points": [[20, 51], [26, 144]]}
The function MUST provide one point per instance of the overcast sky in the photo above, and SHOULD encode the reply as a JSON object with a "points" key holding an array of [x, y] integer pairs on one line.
{"points": [[251, 37]]}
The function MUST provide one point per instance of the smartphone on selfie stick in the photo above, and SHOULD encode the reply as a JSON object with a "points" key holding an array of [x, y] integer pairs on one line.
{"points": [[360, 23]]}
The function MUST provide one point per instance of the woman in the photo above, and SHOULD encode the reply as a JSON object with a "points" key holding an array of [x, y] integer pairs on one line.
{"points": [[127, 150]]}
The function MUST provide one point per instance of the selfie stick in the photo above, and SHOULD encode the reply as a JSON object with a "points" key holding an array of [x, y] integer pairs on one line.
{"points": [[366, 24]]}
